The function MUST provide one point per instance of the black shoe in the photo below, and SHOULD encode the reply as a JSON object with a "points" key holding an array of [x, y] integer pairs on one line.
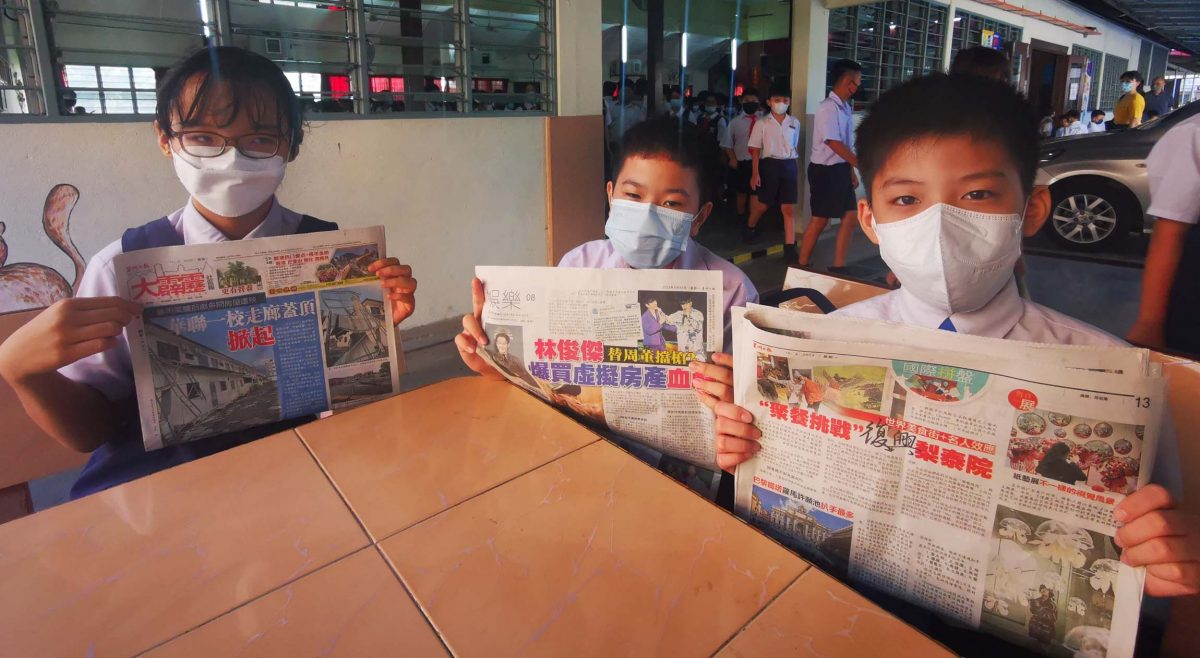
{"points": [[750, 235], [790, 255]]}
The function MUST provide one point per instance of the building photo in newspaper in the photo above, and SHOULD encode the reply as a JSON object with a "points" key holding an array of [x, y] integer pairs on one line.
{"points": [[1050, 586], [354, 331], [215, 371]]}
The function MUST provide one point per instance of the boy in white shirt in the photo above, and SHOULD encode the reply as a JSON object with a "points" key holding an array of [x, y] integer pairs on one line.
{"points": [[949, 163], [774, 174], [736, 142], [1096, 125]]}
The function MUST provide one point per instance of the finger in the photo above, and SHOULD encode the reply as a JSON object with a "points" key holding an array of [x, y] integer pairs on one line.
{"points": [[1146, 499], [1184, 573], [119, 314], [382, 263], [471, 325], [713, 371], [706, 399], [736, 429], [726, 443], [729, 461], [87, 348], [393, 270], [1159, 523], [477, 297], [1161, 550], [88, 332], [723, 359], [465, 343], [402, 283], [1156, 586], [731, 410], [90, 303], [722, 392]]}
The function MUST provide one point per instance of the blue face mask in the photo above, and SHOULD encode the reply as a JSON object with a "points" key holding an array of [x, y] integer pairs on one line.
{"points": [[676, 103], [645, 235], [1127, 87]]}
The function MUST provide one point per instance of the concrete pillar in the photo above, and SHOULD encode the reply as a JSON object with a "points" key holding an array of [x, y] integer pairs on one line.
{"points": [[810, 53], [579, 64], [948, 41]]}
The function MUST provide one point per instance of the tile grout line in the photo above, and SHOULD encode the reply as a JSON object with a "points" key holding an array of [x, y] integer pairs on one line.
{"points": [[413, 597], [336, 488], [247, 602], [757, 613], [487, 490]]}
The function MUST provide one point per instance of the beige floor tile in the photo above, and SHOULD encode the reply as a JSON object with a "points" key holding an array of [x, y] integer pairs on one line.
{"points": [[355, 607], [405, 459], [818, 616], [594, 554], [122, 570]]}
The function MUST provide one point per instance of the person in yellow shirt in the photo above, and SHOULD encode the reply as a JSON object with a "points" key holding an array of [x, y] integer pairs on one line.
{"points": [[1128, 112]]}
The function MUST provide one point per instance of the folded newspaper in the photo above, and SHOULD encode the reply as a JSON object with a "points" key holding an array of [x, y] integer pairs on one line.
{"points": [[973, 477], [612, 347], [244, 333]]}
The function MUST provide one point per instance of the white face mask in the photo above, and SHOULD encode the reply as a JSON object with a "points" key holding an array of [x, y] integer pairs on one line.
{"points": [[645, 235], [230, 184], [952, 259], [779, 108]]}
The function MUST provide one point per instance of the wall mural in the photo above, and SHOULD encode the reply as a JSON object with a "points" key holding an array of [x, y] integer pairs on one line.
{"points": [[25, 286]]}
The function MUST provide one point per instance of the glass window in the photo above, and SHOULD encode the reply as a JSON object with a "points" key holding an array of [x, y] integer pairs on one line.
{"points": [[1110, 86], [511, 41], [20, 79], [94, 89]]}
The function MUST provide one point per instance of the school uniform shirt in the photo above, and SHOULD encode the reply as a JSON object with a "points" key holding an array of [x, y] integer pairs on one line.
{"points": [[626, 117], [1129, 107], [738, 290], [1093, 127], [1173, 169], [111, 371], [1010, 316], [1075, 128], [777, 140], [834, 120], [736, 135]]}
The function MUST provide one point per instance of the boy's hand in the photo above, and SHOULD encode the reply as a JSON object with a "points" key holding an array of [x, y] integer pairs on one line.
{"points": [[736, 438], [853, 178], [472, 337], [755, 180], [1161, 538], [67, 331], [713, 382], [1147, 334], [398, 285]]}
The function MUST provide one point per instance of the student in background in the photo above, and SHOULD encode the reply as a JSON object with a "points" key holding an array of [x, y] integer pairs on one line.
{"points": [[831, 178], [1071, 126], [229, 122], [1158, 100], [1169, 317], [1131, 105], [949, 166], [661, 183], [674, 107], [1096, 125], [736, 142], [773, 169]]}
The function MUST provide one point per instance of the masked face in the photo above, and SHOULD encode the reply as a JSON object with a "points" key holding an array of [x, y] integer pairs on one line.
{"points": [[1127, 86], [750, 107], [645, 235], [711, 109], [779, 107], [955, 260], [230, 184]]}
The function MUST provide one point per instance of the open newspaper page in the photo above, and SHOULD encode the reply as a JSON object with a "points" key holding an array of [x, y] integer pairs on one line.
{"points": [[612, 347], [960, 478], [243, 333]]}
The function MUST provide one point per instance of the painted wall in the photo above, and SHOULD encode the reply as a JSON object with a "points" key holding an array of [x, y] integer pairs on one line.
{"points": [[1113, 39], [452, 193]]}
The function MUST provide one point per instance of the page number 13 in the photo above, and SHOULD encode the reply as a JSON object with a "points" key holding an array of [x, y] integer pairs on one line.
{"points": [[1143, 403]]}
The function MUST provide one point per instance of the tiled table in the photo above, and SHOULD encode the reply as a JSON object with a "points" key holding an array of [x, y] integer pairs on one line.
{"points": [[464, 518]]}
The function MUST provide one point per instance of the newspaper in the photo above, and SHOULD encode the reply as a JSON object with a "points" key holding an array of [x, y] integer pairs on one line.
{"points": [[612, 347], [244, 333], [929, 470]]}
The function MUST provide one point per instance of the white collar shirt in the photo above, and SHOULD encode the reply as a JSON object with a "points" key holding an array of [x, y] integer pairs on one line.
{"points": [[834, 120], [778, 140]]}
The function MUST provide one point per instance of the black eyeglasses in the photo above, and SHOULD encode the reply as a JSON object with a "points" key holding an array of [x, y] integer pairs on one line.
{"points": [[210, 145]]}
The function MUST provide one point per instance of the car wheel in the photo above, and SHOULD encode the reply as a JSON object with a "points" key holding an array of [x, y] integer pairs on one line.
{"points": [[1089, 216]]}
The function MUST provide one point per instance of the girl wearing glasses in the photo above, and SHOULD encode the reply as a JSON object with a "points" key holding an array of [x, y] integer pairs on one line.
{"points": [[229, 122]]}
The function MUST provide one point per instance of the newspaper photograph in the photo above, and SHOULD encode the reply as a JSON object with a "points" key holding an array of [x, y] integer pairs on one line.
{"points": [[613, 347], [969, 476], [243, 333]]}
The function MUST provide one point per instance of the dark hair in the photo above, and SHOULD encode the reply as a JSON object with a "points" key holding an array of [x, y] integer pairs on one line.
{"points": [[703, 96], [750, 91], [641, 86], [842, 68], [982, 61], [1073, 115], [681, 143], [1058, 451], [610, 87], [779, 89], [939, 104], [1098, 112], [255, 83], [1133, 75]]}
